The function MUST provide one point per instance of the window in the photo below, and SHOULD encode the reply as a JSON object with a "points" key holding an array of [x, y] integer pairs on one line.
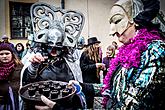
{"points": [[20, 23]]}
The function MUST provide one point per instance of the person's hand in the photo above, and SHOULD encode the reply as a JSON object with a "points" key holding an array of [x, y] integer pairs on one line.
{"points": [[103, 66], [71, 82], [79, 92], [76, 84], [37, 58], [100, 65], [49, 104]]}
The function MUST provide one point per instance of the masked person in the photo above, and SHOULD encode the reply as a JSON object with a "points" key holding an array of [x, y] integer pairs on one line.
{"points": [[53, 56], [135, 79]]}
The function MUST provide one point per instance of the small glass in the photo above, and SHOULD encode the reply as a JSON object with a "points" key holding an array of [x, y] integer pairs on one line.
{"points": [[57, 87], [51, 87], [56, 84], [31, 91], [36, 85], [65, 92], [46, 92], [63, 86], [46, 84], [40, 88], [54, 94]]}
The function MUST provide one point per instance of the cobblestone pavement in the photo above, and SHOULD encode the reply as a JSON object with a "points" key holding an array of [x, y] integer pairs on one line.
{"points": [[97, 103]]}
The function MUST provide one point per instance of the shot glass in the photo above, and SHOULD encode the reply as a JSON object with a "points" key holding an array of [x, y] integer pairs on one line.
{"points": [[31, 91]]}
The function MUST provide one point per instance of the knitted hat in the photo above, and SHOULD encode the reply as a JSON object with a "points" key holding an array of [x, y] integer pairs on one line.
{"points": [[6, 46], [5, 37]]}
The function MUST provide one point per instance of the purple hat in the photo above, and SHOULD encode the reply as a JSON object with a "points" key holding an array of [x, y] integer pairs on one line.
{"points": [[5, 37], [6, 46]]}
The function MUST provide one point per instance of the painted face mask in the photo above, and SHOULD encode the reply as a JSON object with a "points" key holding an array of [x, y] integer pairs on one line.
{"points": [[120, 16], [55, 28]]}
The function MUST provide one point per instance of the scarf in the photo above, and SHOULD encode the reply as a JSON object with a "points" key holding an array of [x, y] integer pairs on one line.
{"points": [[6, 69], [129, 54]]}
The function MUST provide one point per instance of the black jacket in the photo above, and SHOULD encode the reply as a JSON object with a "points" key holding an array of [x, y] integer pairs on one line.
{"points": [[89, 70], [58, 71]]}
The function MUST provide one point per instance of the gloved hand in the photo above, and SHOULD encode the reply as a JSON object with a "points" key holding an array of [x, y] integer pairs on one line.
{"points": [[76, 84], [79, 92]]}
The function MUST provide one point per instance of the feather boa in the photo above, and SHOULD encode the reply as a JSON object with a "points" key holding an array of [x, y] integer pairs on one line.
{"points": [[129, 54]]}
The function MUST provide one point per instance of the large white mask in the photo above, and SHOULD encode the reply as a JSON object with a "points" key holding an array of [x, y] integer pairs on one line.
{"points": [[120, 16]]}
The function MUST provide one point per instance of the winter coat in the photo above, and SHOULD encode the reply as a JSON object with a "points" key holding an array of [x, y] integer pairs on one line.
{"points": [[89, 70], [9, 89]]}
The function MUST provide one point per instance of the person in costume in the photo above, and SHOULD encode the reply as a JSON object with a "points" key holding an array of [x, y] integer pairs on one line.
{"points": [[54, 56], [136, 76], [10, 70]]}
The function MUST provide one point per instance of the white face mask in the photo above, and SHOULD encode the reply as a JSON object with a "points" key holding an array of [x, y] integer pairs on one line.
{"points": [[120, 17]]}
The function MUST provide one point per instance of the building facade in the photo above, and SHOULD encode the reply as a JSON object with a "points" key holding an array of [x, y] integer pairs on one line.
{"points": [[96, 14]]}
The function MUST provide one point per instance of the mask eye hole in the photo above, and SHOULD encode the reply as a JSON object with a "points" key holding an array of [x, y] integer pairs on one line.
{"points": [[117, 18], [40, 36], [116, 22], [50, 43], [71, 40]]}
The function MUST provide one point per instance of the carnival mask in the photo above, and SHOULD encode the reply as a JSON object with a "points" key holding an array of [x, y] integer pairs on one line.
{"points": [[54, 26], [120, 16]]}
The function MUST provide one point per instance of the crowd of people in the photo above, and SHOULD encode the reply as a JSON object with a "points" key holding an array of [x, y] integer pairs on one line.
{"points": [[130, 79]]}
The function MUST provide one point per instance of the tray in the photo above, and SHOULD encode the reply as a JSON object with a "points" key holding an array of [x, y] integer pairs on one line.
{"points": [[57, 91]]}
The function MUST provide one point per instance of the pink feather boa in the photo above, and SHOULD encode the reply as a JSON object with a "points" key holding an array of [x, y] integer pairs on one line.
{"points": [[129, 54]]}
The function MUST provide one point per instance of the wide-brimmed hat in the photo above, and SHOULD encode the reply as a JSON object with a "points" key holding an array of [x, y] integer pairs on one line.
{"points": [[93, 40]]}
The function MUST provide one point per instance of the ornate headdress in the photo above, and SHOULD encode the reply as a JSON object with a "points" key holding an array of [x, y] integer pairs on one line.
{"points": [[54, 26]]}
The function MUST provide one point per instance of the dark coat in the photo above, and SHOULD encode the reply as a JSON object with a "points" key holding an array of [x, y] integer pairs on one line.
{"points": [[106, 61], [58, 71], [89, 70], [14, 79], [14, 83]]}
